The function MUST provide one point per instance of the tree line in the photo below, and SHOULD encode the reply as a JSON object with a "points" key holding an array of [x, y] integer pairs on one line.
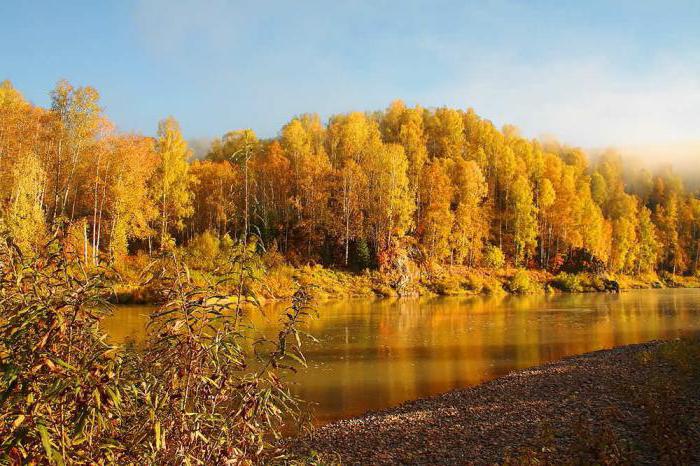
{"points": [[443, 184]]}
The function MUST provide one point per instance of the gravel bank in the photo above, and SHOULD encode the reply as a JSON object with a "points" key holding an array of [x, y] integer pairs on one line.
{"points": [[487, 423]]}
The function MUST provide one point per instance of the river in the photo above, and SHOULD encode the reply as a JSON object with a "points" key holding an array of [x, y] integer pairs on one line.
{"points": [[377, 353]]}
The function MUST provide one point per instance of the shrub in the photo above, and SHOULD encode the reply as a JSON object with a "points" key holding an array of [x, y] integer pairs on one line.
{"points": [[521, 283], [397, 267], [272, 258], [447, 285], [474, 282], [384, 290], [133, 269], [226, 244], [60, 381], [202, 397], [279, 282], [492, 286], [202, 252], [195, 394], [582, 260], [567, 282], [493, 257], [596, 282]]}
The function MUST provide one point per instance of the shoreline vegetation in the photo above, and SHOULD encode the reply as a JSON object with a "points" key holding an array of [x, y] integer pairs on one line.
{"points": [[204, 388], [635, 404], [280, 283]]}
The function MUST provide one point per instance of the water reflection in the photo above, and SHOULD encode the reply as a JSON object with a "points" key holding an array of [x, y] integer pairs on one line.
{"points": [[378, 353]]}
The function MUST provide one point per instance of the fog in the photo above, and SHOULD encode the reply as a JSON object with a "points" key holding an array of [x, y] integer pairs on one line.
{"points": [[682, 157]]}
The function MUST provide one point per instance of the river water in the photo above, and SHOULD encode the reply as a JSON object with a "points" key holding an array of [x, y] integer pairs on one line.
{"points": [[377, 353]]}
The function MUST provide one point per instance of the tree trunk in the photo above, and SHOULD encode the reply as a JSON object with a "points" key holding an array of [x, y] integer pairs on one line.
{"points": [[85, 243], [94, 206], [245, 230]]}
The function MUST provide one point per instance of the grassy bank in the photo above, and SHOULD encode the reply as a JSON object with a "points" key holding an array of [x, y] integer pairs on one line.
{"points": [[281, 281]]}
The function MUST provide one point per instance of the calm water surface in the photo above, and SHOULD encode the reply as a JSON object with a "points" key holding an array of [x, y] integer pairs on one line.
{"points": [[378, 353]]}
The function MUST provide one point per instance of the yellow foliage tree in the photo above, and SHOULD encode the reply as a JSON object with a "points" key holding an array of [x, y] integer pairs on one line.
{"points": [[172, 181], [24, 216]]}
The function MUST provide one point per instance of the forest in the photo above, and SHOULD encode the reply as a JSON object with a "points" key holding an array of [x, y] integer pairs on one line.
{"points": [[365, 202], [431, 187]]}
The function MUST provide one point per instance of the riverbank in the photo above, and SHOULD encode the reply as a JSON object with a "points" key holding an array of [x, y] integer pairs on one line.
{"points": [[280, 282], [633, 404]]}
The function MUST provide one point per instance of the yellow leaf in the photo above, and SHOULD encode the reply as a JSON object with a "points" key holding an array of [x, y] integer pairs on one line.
{"points": [[156, 428], [18, 421]]}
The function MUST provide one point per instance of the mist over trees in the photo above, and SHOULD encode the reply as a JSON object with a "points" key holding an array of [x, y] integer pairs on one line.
{"points": [[443, 184]]}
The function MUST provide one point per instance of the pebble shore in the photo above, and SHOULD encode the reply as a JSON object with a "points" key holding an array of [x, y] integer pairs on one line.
{"points": [[485, 424]]}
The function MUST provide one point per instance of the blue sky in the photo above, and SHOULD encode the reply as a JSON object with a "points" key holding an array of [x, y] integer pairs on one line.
{"points": [[593, 73]]}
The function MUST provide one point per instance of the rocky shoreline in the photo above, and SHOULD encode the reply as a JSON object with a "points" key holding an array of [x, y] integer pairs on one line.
{"points": [[628, 404]]}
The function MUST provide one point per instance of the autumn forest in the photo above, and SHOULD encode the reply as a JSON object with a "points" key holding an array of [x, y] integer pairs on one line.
{"points": [[441, 186]]}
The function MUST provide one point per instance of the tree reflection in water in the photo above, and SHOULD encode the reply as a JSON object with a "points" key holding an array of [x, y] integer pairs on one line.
{"points": [[378, 353]]}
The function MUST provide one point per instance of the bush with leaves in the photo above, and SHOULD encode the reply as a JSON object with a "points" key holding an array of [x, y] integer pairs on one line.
{"points": [[203, 251], [493, 257], [205, 389], [61, 383], [521, 283], [205, 398], [567, 282]]}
